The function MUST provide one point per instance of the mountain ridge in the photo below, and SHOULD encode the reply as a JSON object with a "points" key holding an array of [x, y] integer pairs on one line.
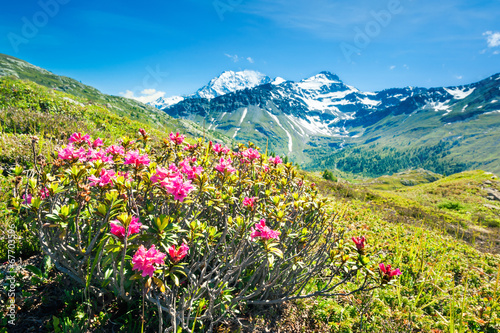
{"points": [[318, 116]]}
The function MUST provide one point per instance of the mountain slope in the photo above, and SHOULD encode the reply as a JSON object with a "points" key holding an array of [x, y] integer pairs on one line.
{"points": [[87, 95], [320, 122]]}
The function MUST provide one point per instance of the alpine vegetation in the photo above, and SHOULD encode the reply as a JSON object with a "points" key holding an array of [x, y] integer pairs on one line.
{"points": [[198, 230]]}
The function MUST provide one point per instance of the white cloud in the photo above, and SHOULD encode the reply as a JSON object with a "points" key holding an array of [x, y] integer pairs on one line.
{"points": [[392, 67], [147, 95], [234, 58], [406, 66], [459, 77], [148, 91], [492, 38]]}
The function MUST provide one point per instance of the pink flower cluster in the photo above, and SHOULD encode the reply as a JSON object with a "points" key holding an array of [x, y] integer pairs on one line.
{"points": [[225, 166], [250, 155], [147, 260], [191, 171], [191, 147], [27, 199], [360, 242], [79, 138], [118, 229], [70, 153], [176, 138], [217, 148], [275, 160], [44, 193], [135, 158], [172, 180], [179, 254], [263, 231], [115, 150], [249, 202], [105, 177], [98, 155], [388, 273], [179, 188]]}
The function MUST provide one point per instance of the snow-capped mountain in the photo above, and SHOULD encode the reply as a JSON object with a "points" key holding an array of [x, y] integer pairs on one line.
{"points": [[161, 103], [225, 83], [230, 81], [321, 113]]}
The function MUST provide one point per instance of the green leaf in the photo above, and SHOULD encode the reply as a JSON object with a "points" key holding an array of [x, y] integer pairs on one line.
{"points": [[35, 270], [277, 252], [159, 283], [175, 278]]}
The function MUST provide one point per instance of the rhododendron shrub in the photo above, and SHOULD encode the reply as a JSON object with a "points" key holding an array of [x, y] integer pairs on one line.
{"points": [[199, 229]]}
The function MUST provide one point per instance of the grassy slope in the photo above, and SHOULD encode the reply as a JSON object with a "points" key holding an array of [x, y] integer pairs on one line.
{"points": [[89, 96]]}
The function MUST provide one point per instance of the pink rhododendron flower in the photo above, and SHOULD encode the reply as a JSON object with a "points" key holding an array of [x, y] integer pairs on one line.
{"points": [[115, 150], [251, 154], [188, 170], [178, 255], [388, 273], [177, 138], [27, 199], [219, 149], [70, 153], [143, 132], [97, 143], [263, 231], [177, 187], [94, 155], [79, 138], [66, 153], [105, 177], [360, 242], [163, 173], [44, 193], [225, 166], [134, 157], [275, 160], [191, 147], [146, 261], [118, 229], [249, 202]]}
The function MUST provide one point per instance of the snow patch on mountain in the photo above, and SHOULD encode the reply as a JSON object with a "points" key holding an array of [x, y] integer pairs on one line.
{"points": [[439, 106], [459, 93], [162, 103], [278, 80], [243, 116], [290, 143]]}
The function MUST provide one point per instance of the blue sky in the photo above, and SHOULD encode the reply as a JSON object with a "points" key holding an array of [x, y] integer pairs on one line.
{"points": [[175, 47]]}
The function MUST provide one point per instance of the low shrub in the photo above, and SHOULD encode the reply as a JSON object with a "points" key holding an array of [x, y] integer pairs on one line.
{"points": [[196, 229]]}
